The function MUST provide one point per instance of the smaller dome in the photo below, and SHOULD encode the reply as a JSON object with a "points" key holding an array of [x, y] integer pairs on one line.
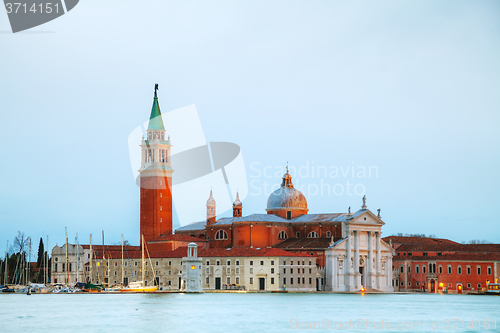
{"points": [[237, 202], [286, 197], [211, 200]]}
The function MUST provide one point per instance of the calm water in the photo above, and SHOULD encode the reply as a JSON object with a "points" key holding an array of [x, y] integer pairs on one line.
{"points": [[243, 312]]}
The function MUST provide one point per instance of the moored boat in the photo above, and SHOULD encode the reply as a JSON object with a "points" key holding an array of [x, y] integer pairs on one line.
{"points": [[138, 287], [492, 289]]}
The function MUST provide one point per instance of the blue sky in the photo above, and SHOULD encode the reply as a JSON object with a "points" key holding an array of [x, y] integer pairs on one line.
{"points": [[410, 87]]}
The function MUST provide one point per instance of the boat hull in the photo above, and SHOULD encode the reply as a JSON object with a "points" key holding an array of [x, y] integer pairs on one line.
{"points": [[151, 289]]}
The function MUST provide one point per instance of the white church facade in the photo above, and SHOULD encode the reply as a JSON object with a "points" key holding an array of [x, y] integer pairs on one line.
{"points": [[360, 260]]}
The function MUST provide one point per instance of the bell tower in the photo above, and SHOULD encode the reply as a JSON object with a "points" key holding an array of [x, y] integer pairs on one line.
{"points": [[237, 206], [211, 205], [156, 178]]}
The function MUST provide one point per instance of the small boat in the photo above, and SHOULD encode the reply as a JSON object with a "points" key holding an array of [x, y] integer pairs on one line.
{"points": [[492, 289], [112, 289], [139, 286], [92, 288], [6, 289]]}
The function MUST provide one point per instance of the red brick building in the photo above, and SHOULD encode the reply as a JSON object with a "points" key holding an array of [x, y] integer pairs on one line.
{"points": [[156, 179], [441, 265]]}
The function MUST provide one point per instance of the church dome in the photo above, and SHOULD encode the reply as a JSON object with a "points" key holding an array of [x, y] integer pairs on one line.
{"points": [[211, 200], [237, 202], [286, 197]]}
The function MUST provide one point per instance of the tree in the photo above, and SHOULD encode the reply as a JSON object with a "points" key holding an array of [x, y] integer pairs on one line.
{"points": [[477, 241], [20, 242], [39, 262]]}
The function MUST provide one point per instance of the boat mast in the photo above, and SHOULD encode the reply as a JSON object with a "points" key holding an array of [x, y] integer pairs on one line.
{"points": [[22, 264], [5, 279], [109, 271], [77, 264], [103, 261], [28, 265], [67, 259], [122, 261], [143, 260], [44, 264], [47, 261], [91, 257]]}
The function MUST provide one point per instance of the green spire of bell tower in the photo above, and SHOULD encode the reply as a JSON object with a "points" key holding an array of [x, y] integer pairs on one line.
{"points": [[155, 120]]}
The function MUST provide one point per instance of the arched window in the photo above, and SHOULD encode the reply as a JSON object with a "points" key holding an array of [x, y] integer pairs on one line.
{"points": [[313, 234], [282, 235], [221, 234]]}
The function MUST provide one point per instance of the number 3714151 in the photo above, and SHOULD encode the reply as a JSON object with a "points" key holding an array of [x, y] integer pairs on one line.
{"points": [[472, 324], [19, 7]]}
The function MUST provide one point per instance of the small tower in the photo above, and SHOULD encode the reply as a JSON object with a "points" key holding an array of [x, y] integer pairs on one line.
{"points": [[237, 206], [156, 178], [191, 271], [211, 209]]}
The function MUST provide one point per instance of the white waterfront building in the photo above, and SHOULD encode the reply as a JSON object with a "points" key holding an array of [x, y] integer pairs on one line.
{"points": [[361, 259], [191, 271]]}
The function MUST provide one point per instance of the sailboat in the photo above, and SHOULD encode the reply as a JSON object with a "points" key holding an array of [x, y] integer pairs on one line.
{"points": [[139, 286]]}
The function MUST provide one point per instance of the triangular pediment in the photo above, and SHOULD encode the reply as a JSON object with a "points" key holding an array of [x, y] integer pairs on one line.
{"points": [[365, 216]]}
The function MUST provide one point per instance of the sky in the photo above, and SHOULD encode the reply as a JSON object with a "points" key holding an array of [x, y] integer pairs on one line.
{"points": [[406, 89]]}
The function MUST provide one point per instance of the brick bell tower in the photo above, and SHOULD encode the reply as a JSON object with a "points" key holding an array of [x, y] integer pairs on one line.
{"points": [[156, 178]]}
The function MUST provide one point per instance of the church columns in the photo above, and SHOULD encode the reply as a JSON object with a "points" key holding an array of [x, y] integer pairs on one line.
{"points": [[347, 274], [369, 265], [388, 269], [356, 260], [377, 259], [335, 266]]}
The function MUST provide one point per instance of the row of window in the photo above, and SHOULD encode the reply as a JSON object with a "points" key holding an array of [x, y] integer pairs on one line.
{"points": [[298, 281], [150, 155], [228, 262], [298, 262], [312, 234], [424, 254], [156, 135], [432, 269], [421, 284], [298, 270], [222, 234]]}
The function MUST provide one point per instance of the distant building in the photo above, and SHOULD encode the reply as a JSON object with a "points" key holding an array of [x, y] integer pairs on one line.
{"points": [[360, 259], [72, 269], [284, 249], [441, 265], [334, 239], [191, 271], [259, 269]]}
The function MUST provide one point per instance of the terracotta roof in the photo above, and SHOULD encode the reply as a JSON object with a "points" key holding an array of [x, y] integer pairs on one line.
{"points": [[452, 256], [109, 247], [137, 254], [422, 244], [481, 247], [254, 252], [177, 238], [305, 243], [417, 240], [430, 247]]}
